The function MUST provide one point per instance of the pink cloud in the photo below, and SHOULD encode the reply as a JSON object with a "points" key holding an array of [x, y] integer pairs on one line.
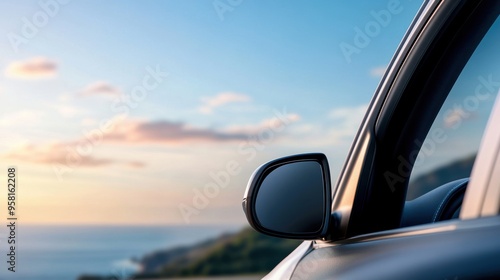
{"points": [[378, 72], [222, 99], [100, 88], [52, 154], [34, 68], [137, 132], [168, 132]]}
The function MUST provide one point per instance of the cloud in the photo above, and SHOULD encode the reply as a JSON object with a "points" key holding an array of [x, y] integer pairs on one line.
{"points": [[68, 111], [337, 131], [34, 68], [88, 122], [64, 153], [346, 121], [378, 72], [168, 132], [348, 114], [137, 132], [100, 88], [136, 164], [53, 154], [22, 117], [456, 116], [221, 99], [270, 123]]}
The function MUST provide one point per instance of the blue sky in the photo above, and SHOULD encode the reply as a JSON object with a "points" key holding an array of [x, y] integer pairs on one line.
{"points": [[227, 79]]}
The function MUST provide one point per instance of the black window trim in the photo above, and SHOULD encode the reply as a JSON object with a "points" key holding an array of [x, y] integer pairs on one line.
{"points": [[421, 82]]}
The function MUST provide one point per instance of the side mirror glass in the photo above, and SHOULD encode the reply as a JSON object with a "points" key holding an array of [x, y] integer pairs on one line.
{"points": [[290, 197]]}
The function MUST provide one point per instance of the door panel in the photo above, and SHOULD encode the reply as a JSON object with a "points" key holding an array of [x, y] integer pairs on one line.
{"points": [[449, 250]]}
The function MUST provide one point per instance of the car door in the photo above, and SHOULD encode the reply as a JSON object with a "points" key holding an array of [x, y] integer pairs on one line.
{"points": [[450, 51]]}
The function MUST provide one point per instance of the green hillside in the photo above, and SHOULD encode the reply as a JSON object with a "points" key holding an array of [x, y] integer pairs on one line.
{"points": [[246, 252]]}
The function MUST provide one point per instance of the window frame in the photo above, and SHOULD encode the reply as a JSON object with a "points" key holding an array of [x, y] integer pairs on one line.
{"points": [[482, 198], [422, 78]]}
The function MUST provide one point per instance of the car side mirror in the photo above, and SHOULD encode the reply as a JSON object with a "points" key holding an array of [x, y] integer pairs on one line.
{"points": [[290, 197]]}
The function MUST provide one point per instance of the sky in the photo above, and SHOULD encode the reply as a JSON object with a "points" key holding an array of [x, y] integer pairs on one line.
{"points": [[149, 112]]}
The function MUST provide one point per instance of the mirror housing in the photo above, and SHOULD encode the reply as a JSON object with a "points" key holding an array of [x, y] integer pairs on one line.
{"points": [[290, 197]]}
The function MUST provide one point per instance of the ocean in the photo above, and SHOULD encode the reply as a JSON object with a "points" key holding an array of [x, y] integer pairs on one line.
{"points": [[66, 252]]}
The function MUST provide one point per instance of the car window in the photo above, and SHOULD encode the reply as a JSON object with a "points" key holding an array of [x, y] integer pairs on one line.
{"points": [[450, 147]]}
